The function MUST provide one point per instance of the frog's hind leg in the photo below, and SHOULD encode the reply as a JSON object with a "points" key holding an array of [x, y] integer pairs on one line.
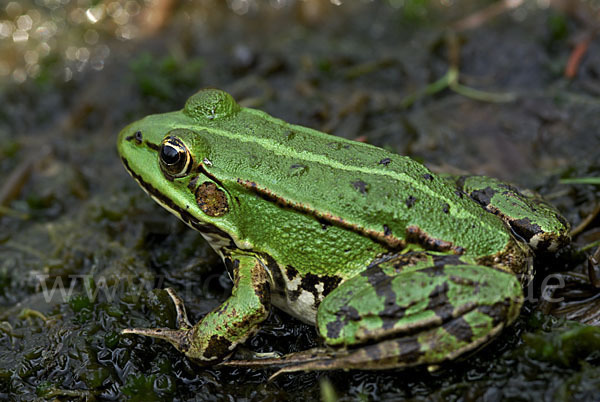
{"points": [[533, 219], [393, 315]]}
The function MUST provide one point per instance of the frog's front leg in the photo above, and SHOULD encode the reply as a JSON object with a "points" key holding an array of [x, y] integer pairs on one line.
{"points": [[395, 315], [217, 334]]}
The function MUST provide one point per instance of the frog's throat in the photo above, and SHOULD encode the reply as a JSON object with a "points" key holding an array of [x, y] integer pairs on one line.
{"points": [[208, 230]]}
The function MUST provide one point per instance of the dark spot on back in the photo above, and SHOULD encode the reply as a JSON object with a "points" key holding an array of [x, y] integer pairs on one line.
{"points": [[427, 176], [483, 197], [298, 169], [446, 208], [410, 201], [385, 161], [361, 186]]}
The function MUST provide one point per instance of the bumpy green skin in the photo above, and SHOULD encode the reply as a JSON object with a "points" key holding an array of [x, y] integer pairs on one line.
{"points": [[533, 219], [368, 245]]}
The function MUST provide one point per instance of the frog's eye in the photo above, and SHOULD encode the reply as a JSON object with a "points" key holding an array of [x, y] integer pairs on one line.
{"points": [[175, 158]]}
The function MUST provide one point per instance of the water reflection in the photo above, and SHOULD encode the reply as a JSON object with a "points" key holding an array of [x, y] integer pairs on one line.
{"points": [[53, 38], [74, 35]]}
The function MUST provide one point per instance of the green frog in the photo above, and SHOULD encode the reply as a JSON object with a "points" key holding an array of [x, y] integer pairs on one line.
{"points": [[395, 266]]}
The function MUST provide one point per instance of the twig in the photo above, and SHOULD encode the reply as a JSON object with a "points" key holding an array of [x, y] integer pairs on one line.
{"points": [[576, 56], [584, 223], [592, 264], [478, 18], [18, 177]]}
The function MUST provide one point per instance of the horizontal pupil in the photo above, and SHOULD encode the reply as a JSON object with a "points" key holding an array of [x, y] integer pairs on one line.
{"points": [[169, 155]]}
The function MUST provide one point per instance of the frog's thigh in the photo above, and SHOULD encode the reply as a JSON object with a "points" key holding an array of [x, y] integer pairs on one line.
{"points": [[422, 316], [530, 216]]}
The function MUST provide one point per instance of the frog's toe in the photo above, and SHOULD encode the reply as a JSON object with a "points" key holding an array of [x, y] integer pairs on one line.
{"points": [[182, 319], [177, 337]]}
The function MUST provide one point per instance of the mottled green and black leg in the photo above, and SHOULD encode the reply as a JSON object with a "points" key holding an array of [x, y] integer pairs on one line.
{"points": [[396, 315], [216, 335], [533, 219]]}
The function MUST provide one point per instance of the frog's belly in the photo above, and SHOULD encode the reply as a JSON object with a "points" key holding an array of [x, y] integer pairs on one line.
{"points": [[302, 307], [299, 294], [292, 293]]}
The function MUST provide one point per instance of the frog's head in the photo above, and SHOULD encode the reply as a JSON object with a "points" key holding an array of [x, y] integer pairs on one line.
{"points": [[168, 155]]}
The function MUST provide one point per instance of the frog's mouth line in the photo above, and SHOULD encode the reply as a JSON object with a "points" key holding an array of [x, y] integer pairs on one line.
{"points": [[205, 228]]}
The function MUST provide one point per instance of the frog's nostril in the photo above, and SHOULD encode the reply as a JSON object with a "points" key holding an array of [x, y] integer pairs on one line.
{"points": [[137, 137]]}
